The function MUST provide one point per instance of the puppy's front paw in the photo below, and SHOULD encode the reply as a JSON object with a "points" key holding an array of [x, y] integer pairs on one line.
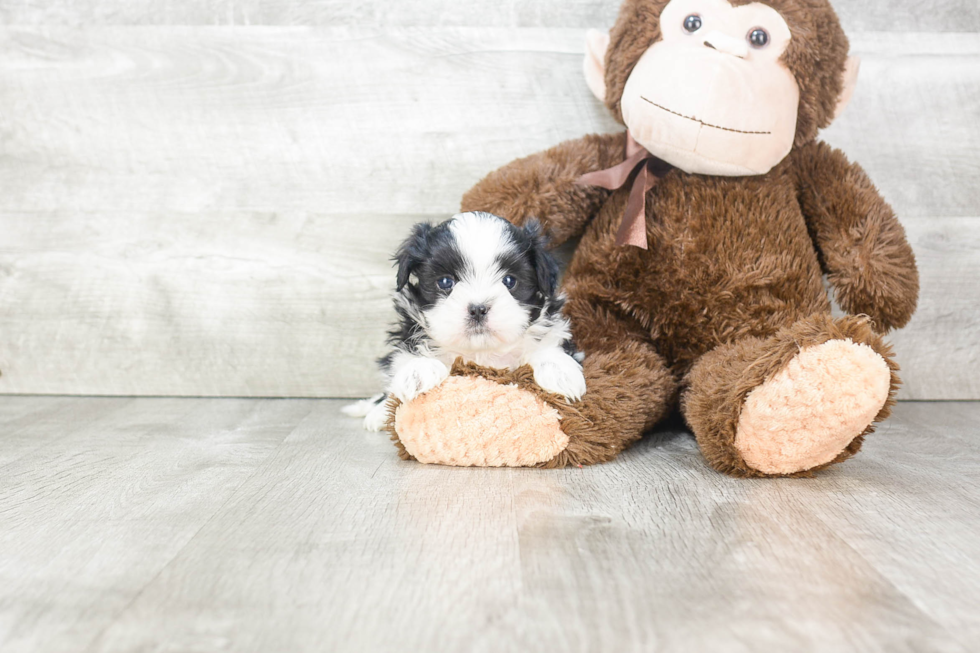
{"points": [[559, 373], [362, 407], [417, 376], [377, 418]]}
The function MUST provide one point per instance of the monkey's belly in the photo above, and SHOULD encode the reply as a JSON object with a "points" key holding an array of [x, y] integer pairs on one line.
{"points": [[693, 306], [707, 277]]}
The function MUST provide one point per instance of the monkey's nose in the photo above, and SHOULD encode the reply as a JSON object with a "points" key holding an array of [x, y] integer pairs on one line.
{"points": [[478, 311], [728, 44]]}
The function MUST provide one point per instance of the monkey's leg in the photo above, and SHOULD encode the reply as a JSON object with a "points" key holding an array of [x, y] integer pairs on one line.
{"points": [[628, 385], [792, 403]]}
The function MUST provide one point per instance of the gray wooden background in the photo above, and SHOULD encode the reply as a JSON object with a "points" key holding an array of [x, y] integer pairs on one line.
{"points": [[198, 197]]}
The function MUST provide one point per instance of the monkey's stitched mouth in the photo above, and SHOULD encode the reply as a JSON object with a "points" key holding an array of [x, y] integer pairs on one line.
{"points": [[701, 122]]}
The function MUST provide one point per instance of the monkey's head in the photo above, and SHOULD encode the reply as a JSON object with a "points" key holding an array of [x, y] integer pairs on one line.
{"points": [[722, 87]]}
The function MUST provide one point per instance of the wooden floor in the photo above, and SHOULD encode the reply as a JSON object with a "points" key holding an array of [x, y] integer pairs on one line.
{"points": [[278, 525]]}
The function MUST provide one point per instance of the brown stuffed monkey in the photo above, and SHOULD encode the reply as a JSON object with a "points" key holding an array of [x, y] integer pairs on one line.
{"points": [[706, 229]]}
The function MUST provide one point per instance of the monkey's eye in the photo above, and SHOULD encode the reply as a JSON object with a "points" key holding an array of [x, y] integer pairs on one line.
{"points": [[510, 282], [759, 38], [446, 283], [692, 23]]}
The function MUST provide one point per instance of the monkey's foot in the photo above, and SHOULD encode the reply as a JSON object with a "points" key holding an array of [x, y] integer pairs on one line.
{"points": [[472, 421], [811, 410]]}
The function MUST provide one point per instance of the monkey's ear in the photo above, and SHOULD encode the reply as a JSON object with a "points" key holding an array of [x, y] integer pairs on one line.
{"points": [[850, 82], [596, 44]]}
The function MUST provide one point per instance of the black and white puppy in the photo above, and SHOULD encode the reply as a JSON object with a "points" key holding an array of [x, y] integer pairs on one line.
{"points": [[478, 287]]}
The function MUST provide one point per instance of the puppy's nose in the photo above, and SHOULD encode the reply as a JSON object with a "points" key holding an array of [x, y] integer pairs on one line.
{"points": [[478, 311]]}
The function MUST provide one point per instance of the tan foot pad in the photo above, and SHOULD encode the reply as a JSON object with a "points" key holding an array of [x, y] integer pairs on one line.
{"points": [[470, 421], [811, 410]]}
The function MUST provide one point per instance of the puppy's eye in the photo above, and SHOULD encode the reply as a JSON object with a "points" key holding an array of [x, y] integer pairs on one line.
{"points": [[446, 283], [759, 37], [510, 282], [692, 23]]}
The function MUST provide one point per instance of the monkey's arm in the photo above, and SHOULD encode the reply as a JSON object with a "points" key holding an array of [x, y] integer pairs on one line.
{"points": [[543, 186], [861, 244]]}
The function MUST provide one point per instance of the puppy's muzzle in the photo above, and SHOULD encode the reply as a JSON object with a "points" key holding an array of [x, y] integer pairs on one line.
{"points": [[478, 313]]}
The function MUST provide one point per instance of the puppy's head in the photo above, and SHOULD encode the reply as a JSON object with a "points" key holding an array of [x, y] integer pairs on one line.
{"points": [[477, 281]]}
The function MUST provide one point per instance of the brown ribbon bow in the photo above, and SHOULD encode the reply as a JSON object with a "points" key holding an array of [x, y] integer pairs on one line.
{"points": [[632, 229]]}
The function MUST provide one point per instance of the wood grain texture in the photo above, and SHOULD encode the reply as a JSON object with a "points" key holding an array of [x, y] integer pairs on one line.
{"points": [[245, 304], [279, 119], [109, 495], [939, 351], [392, 121], [895, 15], [205, 211], [237, 304], [258, 525]]}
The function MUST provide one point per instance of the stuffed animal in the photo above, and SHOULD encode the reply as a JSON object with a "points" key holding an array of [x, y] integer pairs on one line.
{"points": [[706, 229]]}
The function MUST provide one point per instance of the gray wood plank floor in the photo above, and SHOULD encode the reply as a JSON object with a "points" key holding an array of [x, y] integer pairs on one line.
{"points": [[278, 525]]}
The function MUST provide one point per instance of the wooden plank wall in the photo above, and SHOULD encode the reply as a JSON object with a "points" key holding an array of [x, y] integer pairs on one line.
{"points": [[199, 197]]}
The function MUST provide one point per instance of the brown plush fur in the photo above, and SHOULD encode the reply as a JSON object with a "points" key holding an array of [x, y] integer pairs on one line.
{"points": [[625, 399], [721, 380], [862, 245], [544, 185], [732, 280]]}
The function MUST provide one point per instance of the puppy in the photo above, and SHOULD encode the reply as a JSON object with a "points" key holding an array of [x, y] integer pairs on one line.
{"points": [[478, 287]]}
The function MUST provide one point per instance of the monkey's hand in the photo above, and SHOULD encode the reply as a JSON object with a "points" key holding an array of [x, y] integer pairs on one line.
{"points": [[861, 244], [543, 186]]}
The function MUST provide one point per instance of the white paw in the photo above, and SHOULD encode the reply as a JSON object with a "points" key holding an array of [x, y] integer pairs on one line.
{"points": [[362, 407], [377, 418], [416, 376], [557, 372]]}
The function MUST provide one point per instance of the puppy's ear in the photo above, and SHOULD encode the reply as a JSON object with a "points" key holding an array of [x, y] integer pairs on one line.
{"points": [[545, 265], [412, 252]]}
